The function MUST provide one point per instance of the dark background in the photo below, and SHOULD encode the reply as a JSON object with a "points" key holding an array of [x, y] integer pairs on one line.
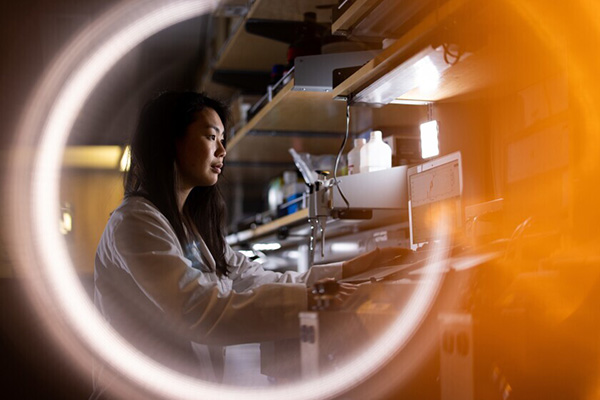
{"points": [[32, 33]]}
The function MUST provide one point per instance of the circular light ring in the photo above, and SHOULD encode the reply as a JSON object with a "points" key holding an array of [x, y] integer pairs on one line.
{"points": [[46, 264]]}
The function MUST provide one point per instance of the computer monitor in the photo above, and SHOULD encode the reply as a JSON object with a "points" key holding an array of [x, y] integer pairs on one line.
{"points": [[434, 198]]}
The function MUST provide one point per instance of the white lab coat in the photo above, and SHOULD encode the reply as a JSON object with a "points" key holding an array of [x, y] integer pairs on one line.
{"points": [[162, 297]]}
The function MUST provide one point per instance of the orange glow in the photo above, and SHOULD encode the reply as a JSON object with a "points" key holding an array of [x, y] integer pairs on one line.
{"points": [[570, 30], [552, 213]]}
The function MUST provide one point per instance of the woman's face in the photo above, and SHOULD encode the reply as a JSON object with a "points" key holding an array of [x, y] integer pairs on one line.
{"points": [[200, 152]]}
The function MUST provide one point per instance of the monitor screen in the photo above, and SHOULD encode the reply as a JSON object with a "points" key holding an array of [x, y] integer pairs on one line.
{"points": [[435, 198]]}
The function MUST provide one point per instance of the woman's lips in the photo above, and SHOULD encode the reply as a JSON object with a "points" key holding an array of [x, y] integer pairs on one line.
{"points": [[216, 168]]}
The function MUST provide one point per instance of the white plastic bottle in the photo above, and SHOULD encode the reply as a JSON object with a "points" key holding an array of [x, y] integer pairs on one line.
{"points": [[375, 155], [354, 157]]}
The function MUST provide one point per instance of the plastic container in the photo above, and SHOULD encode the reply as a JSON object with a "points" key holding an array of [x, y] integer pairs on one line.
{"points": [[354, 157], [292, 190], [375, 155]]}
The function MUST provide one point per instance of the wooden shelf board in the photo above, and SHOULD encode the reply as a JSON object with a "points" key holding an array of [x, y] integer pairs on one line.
{"points": [[268, 228], [296, 217], [248, 52], [354, 13], [262, 113], [299, 227], [297, 111], [289, 10], [272, 152], [453, 83], [508, 62], [275, 149]]}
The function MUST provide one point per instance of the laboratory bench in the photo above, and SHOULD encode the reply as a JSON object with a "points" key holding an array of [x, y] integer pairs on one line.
{"points": [[484, 334]]}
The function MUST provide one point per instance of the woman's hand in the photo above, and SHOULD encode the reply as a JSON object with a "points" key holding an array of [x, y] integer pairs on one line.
{"points": [[372, 259]]}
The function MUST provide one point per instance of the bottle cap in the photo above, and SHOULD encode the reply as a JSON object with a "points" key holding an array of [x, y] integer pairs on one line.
{"points": [[376, 135]]}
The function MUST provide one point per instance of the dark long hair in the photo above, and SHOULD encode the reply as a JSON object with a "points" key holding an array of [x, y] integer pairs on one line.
{"points": [[152, 170]]}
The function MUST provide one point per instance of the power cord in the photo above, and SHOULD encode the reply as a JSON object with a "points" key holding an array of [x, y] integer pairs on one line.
{"points": [[450, 57], [339, 156]]}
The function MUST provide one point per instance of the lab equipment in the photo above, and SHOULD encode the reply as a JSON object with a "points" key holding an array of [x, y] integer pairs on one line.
{"points": [[353, 197], [354, 156], [375, 155], [431, 192], [435, 198]]}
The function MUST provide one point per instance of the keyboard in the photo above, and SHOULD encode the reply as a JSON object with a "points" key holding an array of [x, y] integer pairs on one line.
{"points": [[399, 267]]}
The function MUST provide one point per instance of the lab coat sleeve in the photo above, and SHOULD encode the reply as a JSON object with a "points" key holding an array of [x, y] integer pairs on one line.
{"points": [[207, 308], [248, 275]]}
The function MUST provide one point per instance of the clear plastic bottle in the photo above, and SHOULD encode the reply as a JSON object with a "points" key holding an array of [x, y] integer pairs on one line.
{"points": [[375, 155], [354, 157]]}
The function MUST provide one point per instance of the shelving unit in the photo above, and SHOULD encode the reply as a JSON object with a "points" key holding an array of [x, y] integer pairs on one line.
{"points": [[259, 150], [287, 113], [516, 129], [244, 51], [309, 122], [354, 13], [264, 142]]}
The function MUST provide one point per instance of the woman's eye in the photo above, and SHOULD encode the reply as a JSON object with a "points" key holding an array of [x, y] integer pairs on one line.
{"points": [[212, 137]]}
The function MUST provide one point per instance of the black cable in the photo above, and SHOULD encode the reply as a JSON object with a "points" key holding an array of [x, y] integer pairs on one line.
{"points": [[448, 53], [337, 160]]}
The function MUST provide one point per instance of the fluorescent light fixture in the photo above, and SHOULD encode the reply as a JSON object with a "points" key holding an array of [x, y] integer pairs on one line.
{"points": [[410, 102], [125, 159], [429, 139], [416, 79], [266, 246], [344, 247], [427, 76]]}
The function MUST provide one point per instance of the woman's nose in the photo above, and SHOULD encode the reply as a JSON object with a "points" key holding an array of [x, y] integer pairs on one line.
{"points": [[221, 152]]}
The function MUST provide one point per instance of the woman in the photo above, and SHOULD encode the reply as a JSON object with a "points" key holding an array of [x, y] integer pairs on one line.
{"points": [[164, 275]]}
